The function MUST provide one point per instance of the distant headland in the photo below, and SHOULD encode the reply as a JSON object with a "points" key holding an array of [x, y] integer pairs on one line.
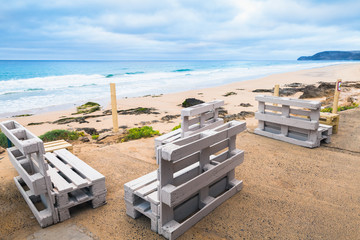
{"points": [[333, 55]]}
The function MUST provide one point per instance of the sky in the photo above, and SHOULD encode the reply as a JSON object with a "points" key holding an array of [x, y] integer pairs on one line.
{"points": [[176, 29]]}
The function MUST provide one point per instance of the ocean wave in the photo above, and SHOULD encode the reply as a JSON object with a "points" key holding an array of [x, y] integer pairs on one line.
{"points": [[34, 89], [132, 73], [67, 89], [183, 70]]}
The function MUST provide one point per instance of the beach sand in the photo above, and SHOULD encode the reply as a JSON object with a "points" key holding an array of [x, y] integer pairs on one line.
{"points": [[290, 192]]}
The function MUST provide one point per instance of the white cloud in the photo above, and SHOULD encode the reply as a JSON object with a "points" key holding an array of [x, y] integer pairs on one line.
{"points": [[172, 29]]}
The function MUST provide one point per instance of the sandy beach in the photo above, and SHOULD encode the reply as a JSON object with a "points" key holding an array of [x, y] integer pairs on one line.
{"points": [[290, 192]]}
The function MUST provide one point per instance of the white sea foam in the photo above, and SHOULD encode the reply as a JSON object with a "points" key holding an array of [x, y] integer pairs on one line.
{"points": [[38, 93]]}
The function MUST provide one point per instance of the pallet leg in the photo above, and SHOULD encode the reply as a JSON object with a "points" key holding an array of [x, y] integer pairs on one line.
{"points": [[98, 201], [130, 210], [64, 214]]}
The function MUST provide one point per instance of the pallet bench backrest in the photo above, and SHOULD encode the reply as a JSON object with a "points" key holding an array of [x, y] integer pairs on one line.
{"points": [[289, 119], [27, 147], [194, 120], [206, 174], [27, 156], [197, 118]]}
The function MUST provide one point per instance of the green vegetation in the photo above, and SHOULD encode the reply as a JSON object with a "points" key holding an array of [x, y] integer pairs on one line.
{"points": [[59, 134], [94, 136], [23, 115], [342, 108], [176, 127], [35, 123], [87, 108], [136, 133], [229, 94], [3, 140]]}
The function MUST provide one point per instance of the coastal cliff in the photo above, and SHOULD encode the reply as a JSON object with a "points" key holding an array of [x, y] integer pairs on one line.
{"points": [[333, 55]]}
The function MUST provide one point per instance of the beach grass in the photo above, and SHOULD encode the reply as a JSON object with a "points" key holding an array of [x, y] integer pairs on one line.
{"points": [[137, 133], [59, 134]]}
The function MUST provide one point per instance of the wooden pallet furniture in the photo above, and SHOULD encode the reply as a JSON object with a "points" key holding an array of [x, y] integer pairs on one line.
{"points": [[57, 145], [194, 120], [293, 120], [331, 119], [51, 183], [196, 174]]}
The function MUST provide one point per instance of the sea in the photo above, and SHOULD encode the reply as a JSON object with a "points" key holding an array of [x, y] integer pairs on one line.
{"points": [[30, 87]]}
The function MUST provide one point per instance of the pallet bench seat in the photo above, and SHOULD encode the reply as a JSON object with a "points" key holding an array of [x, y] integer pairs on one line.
{"points": [[295, 121], [194, 120], [196, 174], [51, 183]]}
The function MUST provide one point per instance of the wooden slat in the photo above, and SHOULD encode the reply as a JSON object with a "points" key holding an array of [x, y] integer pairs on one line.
{"points": [[66, 170], [141, 181], [59, 182], [286, 139], [292, 121], [172, 196], [196, 120], [173, 229], [289, 101], [300, 112], [273, 108], [173, 152], [185, 162], [153, 197], [200, 108], [146, 190], [79, 165], [208, 125]]}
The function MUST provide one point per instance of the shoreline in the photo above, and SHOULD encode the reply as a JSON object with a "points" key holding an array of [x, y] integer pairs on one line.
{"points": [[88, 87], [168, 104]]}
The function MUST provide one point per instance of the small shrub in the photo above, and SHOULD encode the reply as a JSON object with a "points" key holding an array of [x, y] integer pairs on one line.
{"points": [[189, 102], [94, 136], [136, 133], [342, 108], [88, 107], [3, 140], [176, 127], [23, 115], [229, 94], [59, 134]]}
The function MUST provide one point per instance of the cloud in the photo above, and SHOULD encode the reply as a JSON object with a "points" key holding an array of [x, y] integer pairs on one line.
{"points": [[176, 29]]}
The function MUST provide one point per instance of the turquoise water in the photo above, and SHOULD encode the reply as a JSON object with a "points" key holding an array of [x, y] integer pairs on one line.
{"points": [[33, 86]]}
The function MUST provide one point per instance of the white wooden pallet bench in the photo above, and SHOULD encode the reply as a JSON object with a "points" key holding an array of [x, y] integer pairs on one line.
{"points": [[51, 183], [292, 120], [196, 174], [194, 120]]}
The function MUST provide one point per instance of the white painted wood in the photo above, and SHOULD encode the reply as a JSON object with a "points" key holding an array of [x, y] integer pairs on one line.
{"points": [[35, 181], [75, 178], [59, 182], [311, 125], [291, 101], [172, 197], [43, 217], [173, 229], [79, 165]]}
